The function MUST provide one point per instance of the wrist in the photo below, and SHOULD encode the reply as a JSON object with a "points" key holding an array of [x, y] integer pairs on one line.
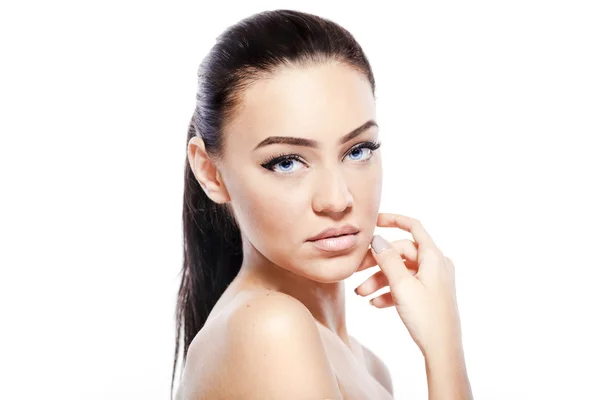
{"points": [[447, 373], [446, 350]]}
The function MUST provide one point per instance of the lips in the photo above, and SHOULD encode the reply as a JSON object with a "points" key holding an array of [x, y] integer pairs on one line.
{"points": [[335, 232]]}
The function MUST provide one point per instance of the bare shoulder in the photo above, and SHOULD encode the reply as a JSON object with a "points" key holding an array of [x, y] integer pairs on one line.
{"points": [[377, 368], [266, 346]]}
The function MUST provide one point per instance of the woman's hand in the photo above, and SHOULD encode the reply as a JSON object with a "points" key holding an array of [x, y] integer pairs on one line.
{"points": [[421, 282]]}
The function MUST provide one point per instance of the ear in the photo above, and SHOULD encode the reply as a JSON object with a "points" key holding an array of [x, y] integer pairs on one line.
{"points": [[206, 172]]}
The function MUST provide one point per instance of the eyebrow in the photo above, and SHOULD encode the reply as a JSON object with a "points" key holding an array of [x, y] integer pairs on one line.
{"points": [[296, 141]]}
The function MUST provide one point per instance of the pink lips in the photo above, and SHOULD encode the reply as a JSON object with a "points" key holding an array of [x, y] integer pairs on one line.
{"points": [[335, 239]]}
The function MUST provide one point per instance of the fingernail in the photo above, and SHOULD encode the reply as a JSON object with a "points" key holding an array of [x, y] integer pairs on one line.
{"points": [[371, 302], [356, 290], [379, 244]]}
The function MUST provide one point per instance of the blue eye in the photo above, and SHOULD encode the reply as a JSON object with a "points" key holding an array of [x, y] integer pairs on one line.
{"points": [[356, 153], [290, 163], [366, 148], [285, 162], [286, 165]]}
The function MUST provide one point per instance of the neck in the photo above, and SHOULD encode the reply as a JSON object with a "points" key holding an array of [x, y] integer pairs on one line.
{"points": [[325, 301]]}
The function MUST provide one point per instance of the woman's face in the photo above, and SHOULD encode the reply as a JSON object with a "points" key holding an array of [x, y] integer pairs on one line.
{"points": [[285, 191]]}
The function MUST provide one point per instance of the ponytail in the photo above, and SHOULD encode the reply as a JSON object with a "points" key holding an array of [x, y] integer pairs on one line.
{"points": [[251, 49], [212, 257]]}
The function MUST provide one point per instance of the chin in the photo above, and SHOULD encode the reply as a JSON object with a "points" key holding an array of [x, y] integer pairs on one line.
{"points": [[332, 268]]}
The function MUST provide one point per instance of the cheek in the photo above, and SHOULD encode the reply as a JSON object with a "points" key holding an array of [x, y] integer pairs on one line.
{"points": [[265, 214], [368, 196], [366, 191], [276, 217]]}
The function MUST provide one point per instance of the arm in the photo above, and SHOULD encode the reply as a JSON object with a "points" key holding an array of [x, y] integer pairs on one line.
{"points": [[271, 349], [447, 374]]}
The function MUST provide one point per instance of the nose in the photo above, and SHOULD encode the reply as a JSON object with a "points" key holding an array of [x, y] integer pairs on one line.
{"points": [[332, 194]]}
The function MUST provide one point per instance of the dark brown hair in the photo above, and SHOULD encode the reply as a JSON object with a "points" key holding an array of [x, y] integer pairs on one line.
{"points": [[253, 48]]}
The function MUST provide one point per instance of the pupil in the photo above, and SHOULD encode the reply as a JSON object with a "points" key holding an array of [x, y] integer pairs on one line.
{"points": [[286, 164]]}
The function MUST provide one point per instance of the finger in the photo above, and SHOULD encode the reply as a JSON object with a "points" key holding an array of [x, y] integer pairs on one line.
{"points": [[408, 224], [405, 247], [369, 262], [383, 301], [450, 266], [389, 260], [375, 282], [372, 284]]}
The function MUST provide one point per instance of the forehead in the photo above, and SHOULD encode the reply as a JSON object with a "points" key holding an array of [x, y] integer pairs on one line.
{"points": [[321, 102]]}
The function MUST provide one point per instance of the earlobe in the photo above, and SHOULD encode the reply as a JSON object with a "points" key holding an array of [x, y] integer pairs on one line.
{"points": [[206, 171]]}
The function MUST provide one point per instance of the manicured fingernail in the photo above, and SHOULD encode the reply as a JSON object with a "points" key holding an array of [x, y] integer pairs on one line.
{"points": [[371, 302], [379, 244]]}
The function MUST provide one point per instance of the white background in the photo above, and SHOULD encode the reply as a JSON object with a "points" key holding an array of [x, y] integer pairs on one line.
{"points": [[490, 115]]}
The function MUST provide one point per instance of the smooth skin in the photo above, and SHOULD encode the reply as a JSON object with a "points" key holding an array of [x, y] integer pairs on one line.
{"points": [[279, 330], [422, 289]]}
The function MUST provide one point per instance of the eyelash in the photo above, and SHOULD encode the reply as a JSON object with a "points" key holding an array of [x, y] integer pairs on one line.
{"points": [[272, 161]]}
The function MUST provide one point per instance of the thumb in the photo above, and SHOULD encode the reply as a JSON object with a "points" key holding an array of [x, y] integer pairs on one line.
{"points": [[389, 260]]}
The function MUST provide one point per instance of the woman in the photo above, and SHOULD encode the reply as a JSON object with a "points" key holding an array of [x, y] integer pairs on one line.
{"points": [[282, 192]]}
